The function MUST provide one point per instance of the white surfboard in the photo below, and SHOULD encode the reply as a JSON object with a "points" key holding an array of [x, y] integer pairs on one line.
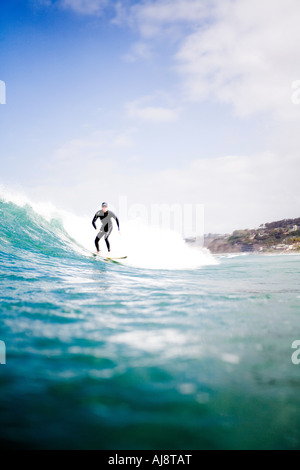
{"points": [[109, 257]]}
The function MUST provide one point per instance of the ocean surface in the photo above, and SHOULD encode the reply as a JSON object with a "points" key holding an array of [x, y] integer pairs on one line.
{"points": [[193, 355]]}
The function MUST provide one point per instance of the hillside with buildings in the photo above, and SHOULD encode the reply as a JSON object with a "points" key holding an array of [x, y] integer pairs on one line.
{"points": [[282, 237]]}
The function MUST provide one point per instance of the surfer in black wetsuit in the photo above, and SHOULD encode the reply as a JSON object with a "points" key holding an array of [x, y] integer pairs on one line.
{"points": [[106, 217]]}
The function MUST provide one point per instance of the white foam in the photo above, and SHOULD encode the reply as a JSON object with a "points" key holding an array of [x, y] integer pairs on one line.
{"points": [[154, 248]]}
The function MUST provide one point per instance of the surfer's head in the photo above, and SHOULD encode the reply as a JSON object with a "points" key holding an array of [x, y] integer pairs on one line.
{"points": [[104, 207]]}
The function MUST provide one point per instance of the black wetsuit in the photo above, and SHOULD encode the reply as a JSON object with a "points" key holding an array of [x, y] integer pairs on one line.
{"points": [[107, 226]]}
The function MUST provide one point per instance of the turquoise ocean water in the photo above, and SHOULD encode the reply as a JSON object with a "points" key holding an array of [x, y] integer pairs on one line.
{"points": [[102, 356]]}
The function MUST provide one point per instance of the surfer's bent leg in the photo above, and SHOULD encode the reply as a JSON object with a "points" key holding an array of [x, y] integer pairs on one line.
{"points": [[98, 238], [106, 238]]}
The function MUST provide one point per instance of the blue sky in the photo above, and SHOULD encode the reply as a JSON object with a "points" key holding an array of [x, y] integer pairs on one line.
{"points": [[184, 101]]}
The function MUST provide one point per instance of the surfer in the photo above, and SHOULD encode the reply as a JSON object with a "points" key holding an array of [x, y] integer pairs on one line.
{"points": [[106, 217]]}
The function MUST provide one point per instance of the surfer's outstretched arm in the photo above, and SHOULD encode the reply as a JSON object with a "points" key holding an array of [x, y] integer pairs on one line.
{"points": [[116, 219]]}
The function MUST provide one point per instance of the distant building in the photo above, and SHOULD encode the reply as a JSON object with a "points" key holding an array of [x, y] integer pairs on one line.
{"points": [[281, 247], [247, 248]]}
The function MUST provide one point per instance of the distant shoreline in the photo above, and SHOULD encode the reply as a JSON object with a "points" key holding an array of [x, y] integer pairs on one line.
{"points": [[260, 253], [282, 237]]}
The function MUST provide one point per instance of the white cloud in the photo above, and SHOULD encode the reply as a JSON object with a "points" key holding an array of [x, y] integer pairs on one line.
{"points": [[139, 50], [142, 109], [151, 113], [243, 53], [76, 149], [98, 153], [86, 7], [99, 145], [125, 139], [152, 18], [248, 57]]}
